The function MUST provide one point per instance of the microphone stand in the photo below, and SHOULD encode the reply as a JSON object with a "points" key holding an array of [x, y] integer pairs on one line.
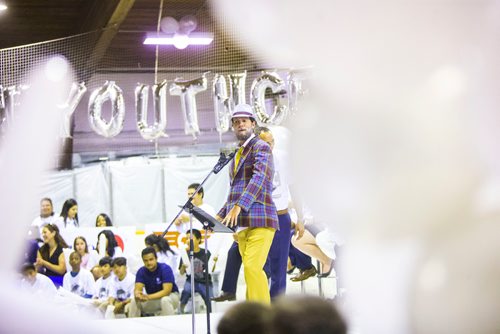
{"points": [[189, 207]]}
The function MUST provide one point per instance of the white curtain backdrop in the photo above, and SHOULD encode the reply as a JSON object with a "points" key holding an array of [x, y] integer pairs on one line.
{"points": [[134, 191]]}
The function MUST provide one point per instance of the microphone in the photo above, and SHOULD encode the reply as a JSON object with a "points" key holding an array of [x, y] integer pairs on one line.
{"points": [[223, 160]]}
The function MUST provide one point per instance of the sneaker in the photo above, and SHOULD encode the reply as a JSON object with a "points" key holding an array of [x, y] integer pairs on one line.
{"points": [[225, 296], [303, 275]]}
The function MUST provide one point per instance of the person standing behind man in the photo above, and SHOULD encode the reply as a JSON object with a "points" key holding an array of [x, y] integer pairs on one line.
{"points": [[249, 206], [278, 255]]}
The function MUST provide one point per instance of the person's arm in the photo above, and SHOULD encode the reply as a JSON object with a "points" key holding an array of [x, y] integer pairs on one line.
{"points": [[297, 204], [138, 292], [165, 291], [59, 268]]}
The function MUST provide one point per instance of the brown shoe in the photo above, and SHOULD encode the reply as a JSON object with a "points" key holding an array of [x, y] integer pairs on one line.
{"points": [[225, 296], [304, 274]]}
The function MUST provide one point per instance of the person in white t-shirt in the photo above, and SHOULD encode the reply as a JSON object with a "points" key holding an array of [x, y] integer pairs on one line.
{"points": [[103, 284], [78, 281], [182, 222], [37, 284], [121, 289], [46, 214], [89, 258], [69, 216]]}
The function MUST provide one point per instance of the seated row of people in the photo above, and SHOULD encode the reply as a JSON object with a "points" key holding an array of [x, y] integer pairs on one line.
{"points": [[67, 219], [154, 289]]}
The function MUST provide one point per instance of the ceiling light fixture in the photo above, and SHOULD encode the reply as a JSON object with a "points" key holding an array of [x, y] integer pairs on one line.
{"points": [[3, 6], [179, 34], [180, 41]]}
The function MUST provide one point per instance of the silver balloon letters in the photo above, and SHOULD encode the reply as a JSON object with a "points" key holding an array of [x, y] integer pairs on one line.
{"points": [[237, 84], [221, 104], [187, 90], [258, 98], [75, 95], [109, 91], [157, 130]]}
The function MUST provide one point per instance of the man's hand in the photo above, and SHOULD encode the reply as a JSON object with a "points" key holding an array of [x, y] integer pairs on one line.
{"points": [[231, 218], [119, 306], [299, 230]]}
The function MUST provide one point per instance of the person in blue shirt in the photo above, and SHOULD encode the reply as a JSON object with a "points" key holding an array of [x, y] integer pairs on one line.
{"points": [[155, 291]]}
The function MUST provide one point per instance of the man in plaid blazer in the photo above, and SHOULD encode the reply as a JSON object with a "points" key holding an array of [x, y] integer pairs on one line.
{"points": [[249, 206]]}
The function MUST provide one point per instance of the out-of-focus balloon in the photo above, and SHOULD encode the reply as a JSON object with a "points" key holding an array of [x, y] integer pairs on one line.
{"points": [[258, 98], [187, 91], [294, 91], [221, 103], [151, 132], [188, 24], [169, 25], [237, 88], [109, 91], [75, 95], [397, 91]]}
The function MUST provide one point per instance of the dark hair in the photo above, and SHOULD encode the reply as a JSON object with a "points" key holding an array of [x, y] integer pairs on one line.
{"points": [[119, 261], [68, 204], [110, 236], [258, 130], [105, 260], [195, 186], [148, 250], [196, 233], [106, 218], [44, 250], [85, 241], [162, 244], [306, 314], [76, 253], [246, 318], [27, 266]]}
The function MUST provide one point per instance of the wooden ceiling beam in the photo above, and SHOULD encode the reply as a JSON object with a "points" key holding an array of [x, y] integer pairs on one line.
{"points": [[108, 33]]}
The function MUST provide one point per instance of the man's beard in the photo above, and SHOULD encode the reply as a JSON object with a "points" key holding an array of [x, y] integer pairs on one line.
{"points": [[243, 136]]}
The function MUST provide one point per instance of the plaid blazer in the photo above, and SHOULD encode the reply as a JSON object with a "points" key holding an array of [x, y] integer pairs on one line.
{"points": [[252, 186]]}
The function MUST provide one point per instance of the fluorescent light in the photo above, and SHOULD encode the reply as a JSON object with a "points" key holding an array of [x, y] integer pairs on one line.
{"points": [[3, 6], [200, 38]]}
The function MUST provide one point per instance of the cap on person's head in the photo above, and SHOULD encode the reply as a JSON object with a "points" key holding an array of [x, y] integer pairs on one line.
{"points": [[243, 110]]}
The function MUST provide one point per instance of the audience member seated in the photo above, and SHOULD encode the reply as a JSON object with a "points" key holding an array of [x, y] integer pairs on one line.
{"points": [[50, 258], [79, 281], [69, 215], [106, 246], [103, 220], [155, 289], [121, 289], [163, 251], [199, 271], [103, 284], [46, 216], [246, 318], [303, 262], [308, 245], [36, 284], [304, 314], [89, 258]]}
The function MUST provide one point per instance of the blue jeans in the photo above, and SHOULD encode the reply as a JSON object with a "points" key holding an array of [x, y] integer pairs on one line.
{"points": [[201, 289]]}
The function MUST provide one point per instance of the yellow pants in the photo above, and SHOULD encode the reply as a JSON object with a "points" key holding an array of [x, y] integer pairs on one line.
{"points": [[254, 244]]}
